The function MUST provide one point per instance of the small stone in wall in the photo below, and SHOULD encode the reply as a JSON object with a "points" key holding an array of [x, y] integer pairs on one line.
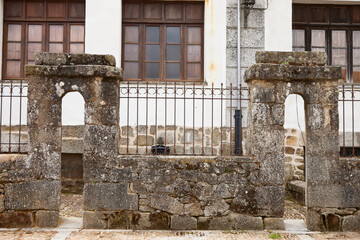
{"points": [[291, 141], [289, 150]]}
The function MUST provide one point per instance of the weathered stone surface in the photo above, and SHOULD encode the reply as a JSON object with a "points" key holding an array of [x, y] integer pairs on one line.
{"points": [[292, 58], [69, 71], [33, 195], [193, 209], [231, 222], [2, 203], [314, 221], [109, 196], [183, 223], [46, 219], [351, 223], [266, 71], [274, 224], [159, 221], [216, 207], [47, 58], [94, 220], [118, 220], [16, 220], [166, 203]]}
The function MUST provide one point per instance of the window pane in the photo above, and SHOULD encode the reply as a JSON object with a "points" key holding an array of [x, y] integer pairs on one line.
{"points": [[194, 35], [194, 70], [299, 39], [194, 53], [317, 38], [35, 33], [338, 38], [131, 34], [152, 52], [356, 57], [56, 33], [32, 49], [356, 38], [13, 69], [339, 57], [152, 70], [77, 48], [131, 70], [14, 50], [173, 70], [131, 52], [152, 34], [56, 47], [173, 34], [173, 52], [77, 33], [14, 32], [298, 49]]}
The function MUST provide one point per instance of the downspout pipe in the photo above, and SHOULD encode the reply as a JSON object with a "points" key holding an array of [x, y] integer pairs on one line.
{"points": [[239, 48]]}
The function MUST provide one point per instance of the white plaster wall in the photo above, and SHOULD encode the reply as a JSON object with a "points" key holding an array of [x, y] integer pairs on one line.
{"points": [[278, 25], [294, 113], [1, 31], [103, 28]]}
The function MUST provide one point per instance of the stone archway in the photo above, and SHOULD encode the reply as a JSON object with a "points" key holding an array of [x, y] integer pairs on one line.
{"points": [[270, 81], [53, 76]]}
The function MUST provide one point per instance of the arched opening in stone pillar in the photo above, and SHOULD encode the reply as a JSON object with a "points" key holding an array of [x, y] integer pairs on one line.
{"points": [[295, 139], [72, 183]]}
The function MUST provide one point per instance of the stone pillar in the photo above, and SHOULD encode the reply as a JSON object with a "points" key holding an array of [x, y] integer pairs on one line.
{"points": [[270, 81], [54, 75]]}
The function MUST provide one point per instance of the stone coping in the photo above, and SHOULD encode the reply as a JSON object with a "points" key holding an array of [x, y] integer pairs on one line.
{"points": [[292, 58], [281, 72], [191, 159], [46, 58], [74, 71]]}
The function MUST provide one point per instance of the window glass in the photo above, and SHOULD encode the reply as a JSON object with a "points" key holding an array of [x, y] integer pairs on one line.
{"points": [[338, 51], [40, 26], [163, 40], [298, 40], [356, 56], [318, 41]]}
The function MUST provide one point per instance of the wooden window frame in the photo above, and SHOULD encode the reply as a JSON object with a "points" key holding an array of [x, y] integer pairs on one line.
{"points": [[66, 21], [162, 23], [328, 25]]}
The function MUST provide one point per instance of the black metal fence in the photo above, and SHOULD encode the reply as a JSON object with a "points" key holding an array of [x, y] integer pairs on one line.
{"points": [[178, 119]]}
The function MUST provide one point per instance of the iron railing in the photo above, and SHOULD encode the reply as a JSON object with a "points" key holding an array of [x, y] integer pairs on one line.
{"points": [[181, 119], [191, 119]]}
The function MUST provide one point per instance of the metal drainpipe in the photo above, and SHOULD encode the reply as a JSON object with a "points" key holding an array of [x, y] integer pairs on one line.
{"points": [[239, 48]]}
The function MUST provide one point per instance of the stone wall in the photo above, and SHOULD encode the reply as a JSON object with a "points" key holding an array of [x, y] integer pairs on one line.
{"points": [[177, 193], [294, 155]]}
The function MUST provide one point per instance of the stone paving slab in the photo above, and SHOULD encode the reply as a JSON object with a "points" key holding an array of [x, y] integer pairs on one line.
{"points": [[76, 234]]}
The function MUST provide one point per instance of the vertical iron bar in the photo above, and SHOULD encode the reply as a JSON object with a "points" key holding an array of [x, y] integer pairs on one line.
{"points": [[193, 118], [165, 114], [10, 117], [212, 119], [127, 124], [184, 115], [175, 118], [20, 115], [344, 135], [221, 121], [353, 120], [156, 107], [203, 111], [137, 117], [1, 106], [147, 117]]}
